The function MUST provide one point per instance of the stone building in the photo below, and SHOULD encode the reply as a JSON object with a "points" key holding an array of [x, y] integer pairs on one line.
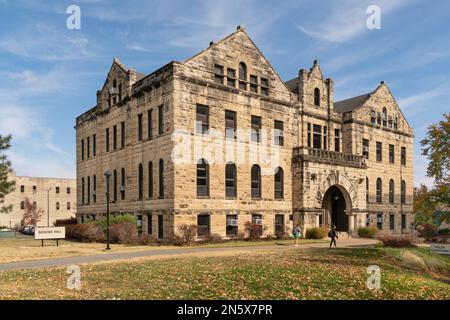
{"points": [[50, 195], [220, 140]]}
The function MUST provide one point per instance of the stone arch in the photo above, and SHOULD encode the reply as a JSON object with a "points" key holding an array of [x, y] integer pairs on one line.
{"points": [[345, 186]]}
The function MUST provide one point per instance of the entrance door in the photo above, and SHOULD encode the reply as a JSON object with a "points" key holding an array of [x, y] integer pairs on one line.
{"points": [[334, 205]]}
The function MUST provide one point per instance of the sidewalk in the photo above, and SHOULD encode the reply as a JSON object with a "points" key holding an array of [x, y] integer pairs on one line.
{"points": [[115, 256]]}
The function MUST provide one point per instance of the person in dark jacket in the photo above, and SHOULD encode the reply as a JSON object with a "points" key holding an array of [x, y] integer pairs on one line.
{"points": [[333, 235]]}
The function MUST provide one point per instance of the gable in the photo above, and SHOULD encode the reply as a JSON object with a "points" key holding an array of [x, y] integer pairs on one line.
{"points": [[229, 53]]}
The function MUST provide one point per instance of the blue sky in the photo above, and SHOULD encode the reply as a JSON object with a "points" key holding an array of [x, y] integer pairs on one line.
{"points": [[49, 74]]}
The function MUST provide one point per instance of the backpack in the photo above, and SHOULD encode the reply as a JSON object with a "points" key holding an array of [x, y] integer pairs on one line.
{"points": [[330, 234]]}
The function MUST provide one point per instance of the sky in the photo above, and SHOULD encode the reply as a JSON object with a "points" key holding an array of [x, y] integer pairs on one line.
{"points": [[49, 74]]}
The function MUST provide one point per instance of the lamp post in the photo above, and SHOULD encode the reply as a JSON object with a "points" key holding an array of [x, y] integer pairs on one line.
{"points": [[107, 176], [436, 214]]}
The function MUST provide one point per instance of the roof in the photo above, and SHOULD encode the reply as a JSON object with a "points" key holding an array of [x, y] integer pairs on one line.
{"points": [[350, 104], [140, 75], [292, 85]]}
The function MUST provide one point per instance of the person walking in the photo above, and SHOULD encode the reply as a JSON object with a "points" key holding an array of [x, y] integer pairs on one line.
{"points": [[297, 233], [333, 235]]}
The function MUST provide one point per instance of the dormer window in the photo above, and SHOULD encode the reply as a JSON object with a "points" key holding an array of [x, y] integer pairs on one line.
{"points": [[231, 77], [253, 84], [379, 118], [395, 122], [242, 76], [317, 97], [372, 116], [218, 74]]}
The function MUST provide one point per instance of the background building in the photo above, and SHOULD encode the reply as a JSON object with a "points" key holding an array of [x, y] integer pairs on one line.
{"points": [[220, 140], [59, 195]]}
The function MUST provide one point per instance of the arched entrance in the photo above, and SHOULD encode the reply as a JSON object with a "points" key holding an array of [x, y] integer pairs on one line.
{"points": [[334, 205]]}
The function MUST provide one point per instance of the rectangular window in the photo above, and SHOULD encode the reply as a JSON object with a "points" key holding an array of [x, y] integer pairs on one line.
{"points": [[309, 135], [161, 119], [230, 124], [391, 222], [256, 129], [115, 137], [22, 189], [257, 224], [231, 78], [107, 139], [160, 226], [365, 150], [82, 150], [218, 74], [264, 86], [140, 127], [149, 224], [337, 140], [203, 225], [379, 118], [317, 137], [88, 147], [94, 145], [403, 156], [253, 84], [390, 122], [202, 119], [379, 151], [232, 225], [68, 190], [395, 123], [57, 190], [279, 133], [391, 154], [403, 221], [379, 221], [150, 124], [122, 135], [372, 116], [279, 225], [325, 138]]}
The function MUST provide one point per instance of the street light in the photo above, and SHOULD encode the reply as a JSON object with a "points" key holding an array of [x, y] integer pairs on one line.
{"points": [[436, 215], [107, 176]]}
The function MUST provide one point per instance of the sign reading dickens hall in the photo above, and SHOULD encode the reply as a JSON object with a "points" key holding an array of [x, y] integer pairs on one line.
{"points": [[440, 248], [44, 233]]}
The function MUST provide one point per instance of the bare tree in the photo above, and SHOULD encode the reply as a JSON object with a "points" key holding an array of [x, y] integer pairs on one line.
{"points": [[31, 215]]}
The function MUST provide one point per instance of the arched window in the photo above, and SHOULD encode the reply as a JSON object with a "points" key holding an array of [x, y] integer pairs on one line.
{"points": [[379, 190], [242, 71], [367, 189], [57, 206], [256, 182], [22, 205], [161, 178], [89, 190], [82, 190], [202, 178], [391, 191], [385, 117], [122, 186], [403, 192], [317, 97], [230, 180], [115, 182], [279, 183], [140, 182], [150, 179]]}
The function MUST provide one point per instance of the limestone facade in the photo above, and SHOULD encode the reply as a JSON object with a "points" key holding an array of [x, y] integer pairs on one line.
{"points": [[220, 140], [57, 195]]}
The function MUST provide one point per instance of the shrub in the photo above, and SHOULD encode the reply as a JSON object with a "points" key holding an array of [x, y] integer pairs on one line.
{"points": [[444, 231], [367, 232], [146, 239], [187, 233], [426, 230], [213, 238], [65, 222], [396, 241], [253, 231], [316, 233], [85, 232], [124, 232], [113, 220]]}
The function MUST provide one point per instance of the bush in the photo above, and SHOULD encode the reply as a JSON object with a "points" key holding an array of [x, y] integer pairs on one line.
{"points": [[113, 220], [367, 232], [253, 231], [187, 233], [426, 230], [65, 222], [124, 232], [213, 238], [395, 241], [85, 232], [444, 231], [316, 233]]}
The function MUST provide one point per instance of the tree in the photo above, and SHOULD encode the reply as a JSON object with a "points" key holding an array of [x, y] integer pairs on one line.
{"points": [[5, 169], [31, 215], [436, 147]]}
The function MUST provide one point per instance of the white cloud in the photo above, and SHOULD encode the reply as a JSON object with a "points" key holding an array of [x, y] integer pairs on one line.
{"points": [[424, 100]]}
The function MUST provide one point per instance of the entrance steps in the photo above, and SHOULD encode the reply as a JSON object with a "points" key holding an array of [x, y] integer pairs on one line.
{"points": [[343, 235]]}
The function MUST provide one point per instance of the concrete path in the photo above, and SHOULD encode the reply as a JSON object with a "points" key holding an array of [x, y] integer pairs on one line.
{"points": [[114, 256]]}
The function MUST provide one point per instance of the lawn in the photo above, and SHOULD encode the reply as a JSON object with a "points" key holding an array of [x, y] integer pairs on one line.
{"points": [[285, 274], [21, 249]]}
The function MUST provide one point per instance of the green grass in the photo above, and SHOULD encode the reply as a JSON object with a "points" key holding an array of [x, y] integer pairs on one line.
{"points": [[286, 274]]}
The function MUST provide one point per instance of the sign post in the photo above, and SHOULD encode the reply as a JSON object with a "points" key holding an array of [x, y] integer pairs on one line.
{"points": [[49, 233]]}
